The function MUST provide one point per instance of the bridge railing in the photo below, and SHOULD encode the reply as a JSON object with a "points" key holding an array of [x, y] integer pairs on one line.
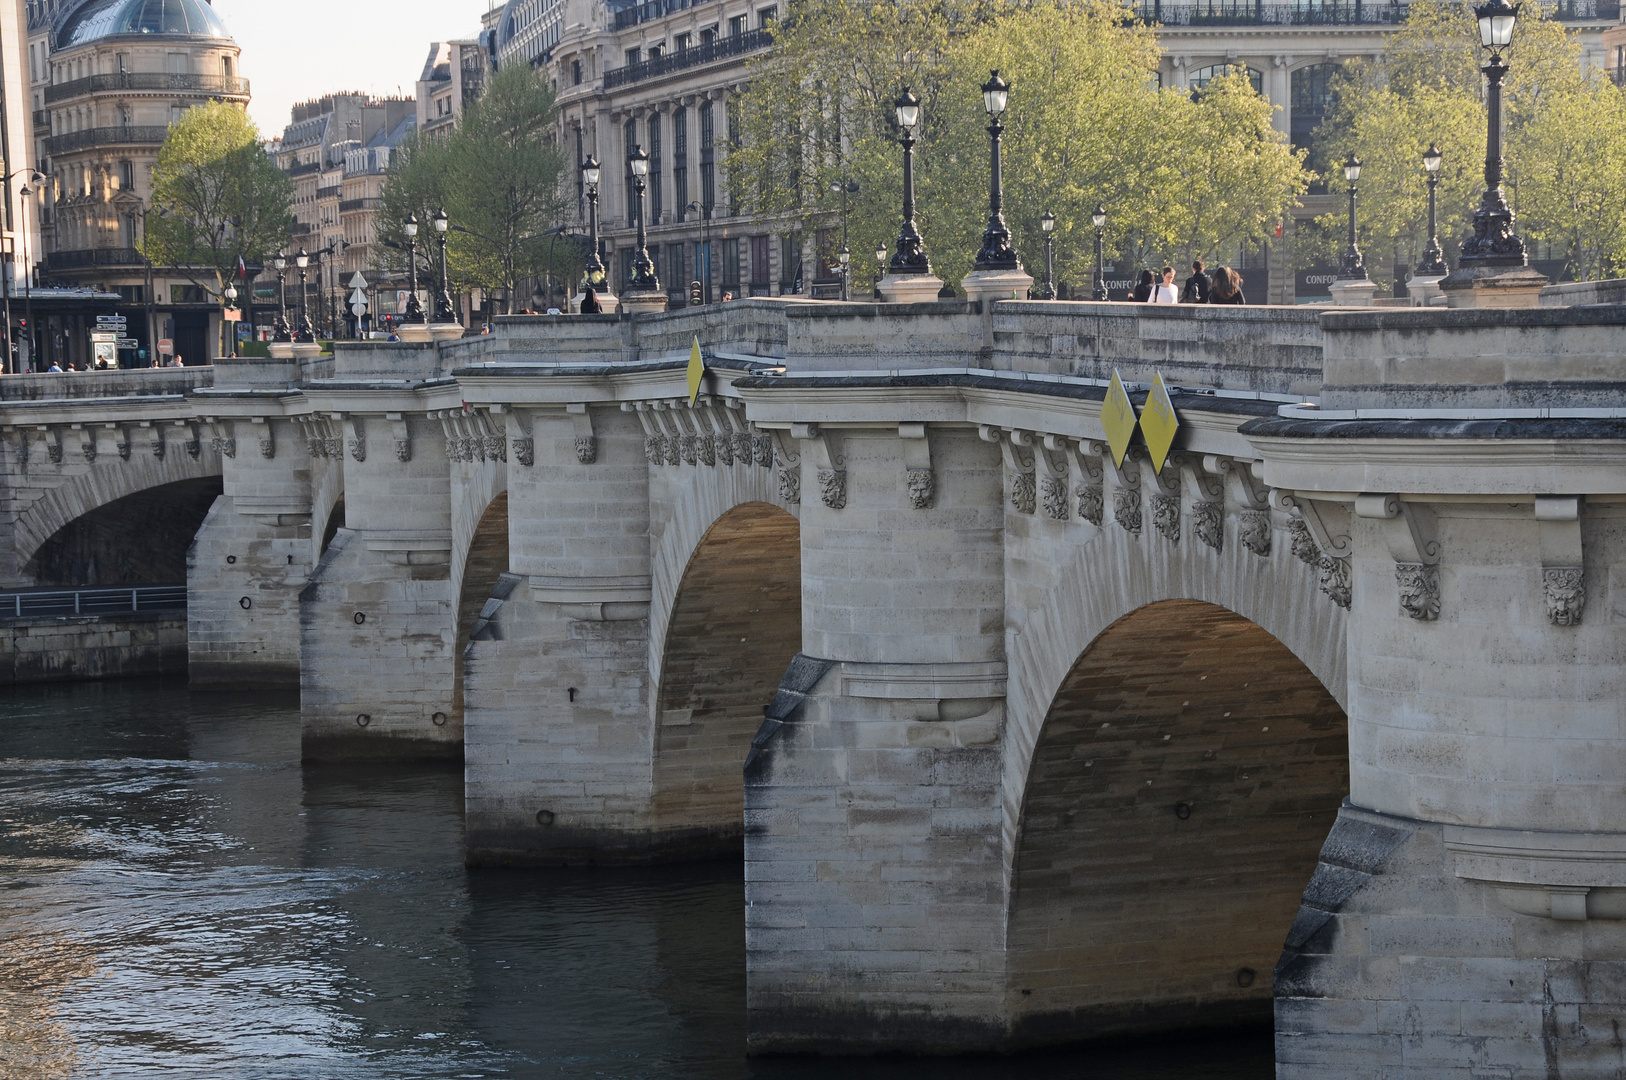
{"points": [[92, 601], [121, 382]]}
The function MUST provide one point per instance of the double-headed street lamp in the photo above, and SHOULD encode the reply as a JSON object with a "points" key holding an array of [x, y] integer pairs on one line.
{"points": [[444, 311], [1048, 225], [594, 270], [1494, 242], [1353, 267], [845, 258], [1433, 261], [996, 252], [910, 257], [414, 310], [1099, 220], [644, 278], [880, 267], [307, 332]]}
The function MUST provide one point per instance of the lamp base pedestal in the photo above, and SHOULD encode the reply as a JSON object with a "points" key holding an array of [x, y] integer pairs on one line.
{"points": [[1424, 290], [1353, 292], [910, 288], [306, 350], [413, 331], [644, 302], [445, 331], [1493, 287], [992, 285], [281, 350], [606, 300]]}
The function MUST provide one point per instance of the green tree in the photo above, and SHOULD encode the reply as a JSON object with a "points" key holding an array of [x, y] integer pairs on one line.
{"points": [[497, 175], [1086, 125], [221, 198]]}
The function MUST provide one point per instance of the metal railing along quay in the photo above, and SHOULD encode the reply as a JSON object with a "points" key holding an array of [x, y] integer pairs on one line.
{"points": [[92, 601]]}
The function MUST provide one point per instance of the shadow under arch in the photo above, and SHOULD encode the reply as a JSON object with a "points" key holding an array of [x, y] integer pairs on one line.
{"points": [[138, 539], [736, 623], [1187, 773], [486, 561]]}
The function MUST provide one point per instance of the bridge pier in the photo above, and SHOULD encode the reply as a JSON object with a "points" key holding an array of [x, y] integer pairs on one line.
{"points": [[874, 876]]}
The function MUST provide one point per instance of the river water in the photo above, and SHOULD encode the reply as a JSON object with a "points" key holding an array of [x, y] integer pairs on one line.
{"points": [[180, 896]]}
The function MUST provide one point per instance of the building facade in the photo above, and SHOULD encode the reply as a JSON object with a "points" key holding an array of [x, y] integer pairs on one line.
{"points": [[108, 77], [659, 74]]}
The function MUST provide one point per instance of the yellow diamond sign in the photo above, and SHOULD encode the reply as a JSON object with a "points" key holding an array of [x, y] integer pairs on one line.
{"points": [[697, 371], [1118, 419], [1158, 423]]}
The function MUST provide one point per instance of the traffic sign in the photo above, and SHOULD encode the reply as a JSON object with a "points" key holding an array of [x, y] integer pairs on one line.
{"points": [[358, 297], [358, 309], [165, 345], [129, 343], [357, 281], [111, 320]]}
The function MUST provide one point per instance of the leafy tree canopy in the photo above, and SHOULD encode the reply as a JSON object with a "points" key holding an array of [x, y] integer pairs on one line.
{"points": [[1086, 124]]}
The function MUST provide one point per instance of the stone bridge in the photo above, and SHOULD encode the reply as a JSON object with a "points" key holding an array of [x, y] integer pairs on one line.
{"points": [[1323, 720]]}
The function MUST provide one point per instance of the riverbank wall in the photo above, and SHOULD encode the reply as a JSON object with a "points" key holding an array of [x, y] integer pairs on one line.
{"points": [[58, 648]]}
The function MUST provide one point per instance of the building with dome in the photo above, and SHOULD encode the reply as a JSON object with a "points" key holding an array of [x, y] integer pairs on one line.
{"points": [[108, 78]]}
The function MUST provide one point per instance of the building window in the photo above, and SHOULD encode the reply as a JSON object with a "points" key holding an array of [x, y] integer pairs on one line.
{"points": [[180, 63], [675, 277], [630, 140], [708, 36], [736, 26], [790, 264], [225, 66], [708, 178], [186, 294], [1203, 76], [766, 17], [633, 56], [1311, 95], [680, 42], [680, 162], [126, 176], [576, 72], [655, 207], [731, 266]]}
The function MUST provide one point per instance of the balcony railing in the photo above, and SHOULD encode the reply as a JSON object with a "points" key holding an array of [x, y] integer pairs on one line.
{"points": [[1330, 12], [351, 205], [42, 121], [151, 135], [721, 49], [92, 257], [147, 80]]}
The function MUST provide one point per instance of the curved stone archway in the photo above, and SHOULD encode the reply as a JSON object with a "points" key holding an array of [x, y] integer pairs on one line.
{"points": [[1186, 776], [485, 560], [137, 539], [735, 623]]}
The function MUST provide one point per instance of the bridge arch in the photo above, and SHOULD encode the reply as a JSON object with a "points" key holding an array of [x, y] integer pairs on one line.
{"points": [[484, 560], [1188, 771], [729, 626], [68, 499]]}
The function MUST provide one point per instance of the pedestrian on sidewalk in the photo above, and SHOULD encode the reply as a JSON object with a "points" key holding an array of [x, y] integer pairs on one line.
{"points": [[1143, 288], [1226, 287], [1165, 293]]}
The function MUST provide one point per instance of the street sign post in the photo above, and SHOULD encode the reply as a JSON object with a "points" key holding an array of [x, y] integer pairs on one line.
{"points": [[165, 346]]}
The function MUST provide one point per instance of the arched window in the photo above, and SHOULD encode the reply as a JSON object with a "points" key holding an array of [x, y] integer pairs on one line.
{"points": [[1311, 96], [1203, 76]]}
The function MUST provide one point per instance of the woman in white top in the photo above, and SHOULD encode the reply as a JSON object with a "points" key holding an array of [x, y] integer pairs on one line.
{"points": [[1164, 292]]}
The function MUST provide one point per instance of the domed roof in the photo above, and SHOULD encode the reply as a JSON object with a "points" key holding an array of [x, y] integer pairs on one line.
{"points": [[98, 19]]}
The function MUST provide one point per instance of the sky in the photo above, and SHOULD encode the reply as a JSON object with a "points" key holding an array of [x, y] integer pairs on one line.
{"points": [[294, 50]]}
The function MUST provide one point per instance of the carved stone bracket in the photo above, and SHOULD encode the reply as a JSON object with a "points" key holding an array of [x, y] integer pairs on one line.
{"points": [[1126, 496], [1019, 466], [517, 425], [87, 445], [402, 435], [1336, 579], [265, 436], [787, 462], [1251, 497], [1165, 491], [919, 478], [581, 419], [1206, 490], [1051, 456], [155, 441], [654, 440], [1563, 581], [1409, 532], [1090, 490], [828, 460], [358, 437], [1313, 545]]}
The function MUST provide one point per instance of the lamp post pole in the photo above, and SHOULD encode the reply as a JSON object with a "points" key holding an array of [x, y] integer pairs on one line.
{"points": [[845, 258], [1099, 219], [1433, 261], [594, 269], [1353, 267], [444, 311], [414, 309], [28, 280], [280, 332], [644, 278], [1048, 224], [1494, 242], [996, 252], [910, 257], [307, 333]]}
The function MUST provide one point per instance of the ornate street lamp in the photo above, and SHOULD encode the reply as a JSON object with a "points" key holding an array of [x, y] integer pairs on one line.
{"points": [[1048, 225], [414, 312], [1353, 267], [281, 332], [445, 312], [880, 267], [910, 257], [996, 252], [1494, 242], [845, 257], [644, 278], [1433, 261], [595, 266], [307, 333], [1099, 220], [229, 295]]}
